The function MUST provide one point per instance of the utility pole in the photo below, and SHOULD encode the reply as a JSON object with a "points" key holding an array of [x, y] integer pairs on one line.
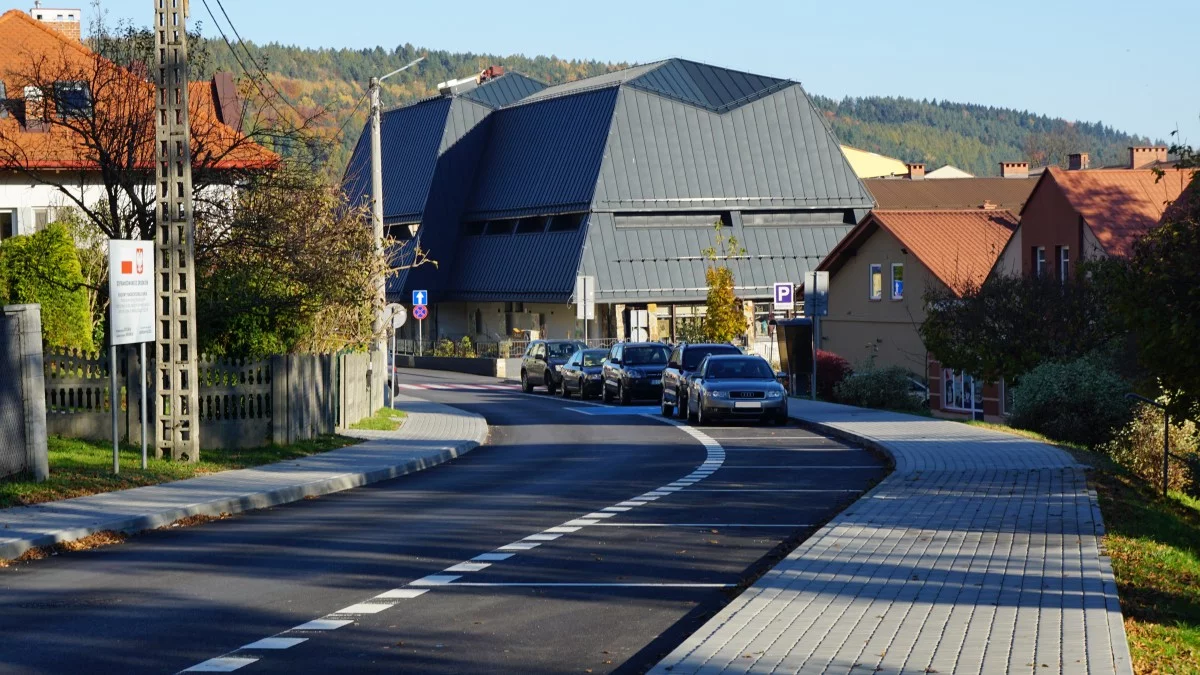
{"points": [[377, 207], [177, 430]]}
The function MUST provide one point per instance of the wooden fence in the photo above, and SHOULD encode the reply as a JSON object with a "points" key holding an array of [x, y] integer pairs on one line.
{"points": [[242, 403]]}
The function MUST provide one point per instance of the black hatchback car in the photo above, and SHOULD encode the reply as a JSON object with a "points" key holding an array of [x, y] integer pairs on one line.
{"points": [[685, 358], [543, 358], [634, 371], [581, 373]]}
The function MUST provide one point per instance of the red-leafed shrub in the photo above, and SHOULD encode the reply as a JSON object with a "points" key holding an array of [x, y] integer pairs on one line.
{"points": [[831, 370]]}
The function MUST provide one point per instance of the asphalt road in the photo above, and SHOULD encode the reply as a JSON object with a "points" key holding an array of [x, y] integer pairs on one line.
{"points": [[686, 523]]}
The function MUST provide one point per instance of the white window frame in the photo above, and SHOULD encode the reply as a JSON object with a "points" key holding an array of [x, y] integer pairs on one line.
{"points": [[892, 290], [16, 225], [1064, 263], [873, 292], [957, 381], [1039, 265]]}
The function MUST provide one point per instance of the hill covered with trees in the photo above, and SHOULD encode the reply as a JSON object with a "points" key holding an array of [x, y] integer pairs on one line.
{"points": [[329, 85]]}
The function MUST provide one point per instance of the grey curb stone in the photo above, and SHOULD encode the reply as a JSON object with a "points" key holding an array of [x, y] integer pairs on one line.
{"points": [[433, 434]]}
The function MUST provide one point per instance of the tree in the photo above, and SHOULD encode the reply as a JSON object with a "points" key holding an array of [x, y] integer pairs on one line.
{"points": [[1155, 294], [724, 319], [1008, 325]]}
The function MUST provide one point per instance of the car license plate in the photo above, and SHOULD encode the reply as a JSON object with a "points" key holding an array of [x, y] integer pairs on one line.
{"points": [[655, 381], [747, 404]]}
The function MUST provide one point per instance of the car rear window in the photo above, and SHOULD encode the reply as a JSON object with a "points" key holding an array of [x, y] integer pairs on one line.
{"points": [[594, 357], [647, 355], [694, 355]]}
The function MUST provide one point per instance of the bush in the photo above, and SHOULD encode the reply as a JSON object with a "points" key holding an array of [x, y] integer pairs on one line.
{"points": [[1138, 446], [887, 388], [444, 347], [465, 348], [43, 268], [831, 370], [1081, 401]]}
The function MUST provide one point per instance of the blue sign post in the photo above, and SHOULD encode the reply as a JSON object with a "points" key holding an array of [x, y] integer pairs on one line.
{"points": [[420, 298]]}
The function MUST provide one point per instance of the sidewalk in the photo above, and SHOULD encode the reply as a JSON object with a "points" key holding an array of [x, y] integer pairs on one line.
{"points": [[979, 554], [431, 434]]}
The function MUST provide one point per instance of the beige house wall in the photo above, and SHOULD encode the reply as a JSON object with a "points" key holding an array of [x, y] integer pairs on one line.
{"points": [[1010, 262], [859, 328]]}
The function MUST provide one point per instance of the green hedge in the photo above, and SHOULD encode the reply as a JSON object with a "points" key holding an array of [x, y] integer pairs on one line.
{"points": [[886, 388], [44, 268], [1081, 401]]}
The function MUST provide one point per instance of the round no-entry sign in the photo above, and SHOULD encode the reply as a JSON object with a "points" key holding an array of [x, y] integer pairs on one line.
{"points": [[419, 312]]}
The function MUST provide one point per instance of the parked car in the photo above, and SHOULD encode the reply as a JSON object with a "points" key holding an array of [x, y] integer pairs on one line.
{"points": [[736, 386], [543, 358], [633, 370], [680, 366], [581, 373]]}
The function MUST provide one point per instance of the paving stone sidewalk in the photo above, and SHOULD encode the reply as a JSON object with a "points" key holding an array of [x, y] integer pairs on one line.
{"points": [[431, 434], [978, 554]]}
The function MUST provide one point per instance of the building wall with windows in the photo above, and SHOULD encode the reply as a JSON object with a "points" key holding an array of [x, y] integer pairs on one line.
{"points": [[1049, 224], [864, 325], [27, 206]]}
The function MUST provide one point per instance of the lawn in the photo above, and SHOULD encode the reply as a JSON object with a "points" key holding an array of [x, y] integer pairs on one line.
{"points": [[79, 468], [1154, 544], [384, 419]]}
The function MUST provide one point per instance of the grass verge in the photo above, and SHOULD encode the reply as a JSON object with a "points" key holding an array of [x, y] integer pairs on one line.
{"points": [[384, 419], [1154, 544], [79, 468]]}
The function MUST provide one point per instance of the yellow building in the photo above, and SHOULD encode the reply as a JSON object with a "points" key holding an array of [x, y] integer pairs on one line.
{"points": [[872, 165]]}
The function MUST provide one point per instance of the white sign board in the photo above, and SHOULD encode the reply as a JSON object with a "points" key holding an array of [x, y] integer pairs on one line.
{"points": [[398, 313], [816, 294], [585, 298], [785, 295], [131, 291]]}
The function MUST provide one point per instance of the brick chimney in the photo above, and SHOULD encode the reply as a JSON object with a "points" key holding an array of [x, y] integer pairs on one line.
{"points": [[916, 171], [1014, 169], [65, 21], [1141, 157], [1077, 161]]}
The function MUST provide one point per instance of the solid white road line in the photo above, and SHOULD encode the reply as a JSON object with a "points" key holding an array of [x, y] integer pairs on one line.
{"points": [[813, 467], [221, 664], [712, 525], [275, 643], [323, 624], [550, 584], [765, 490]]}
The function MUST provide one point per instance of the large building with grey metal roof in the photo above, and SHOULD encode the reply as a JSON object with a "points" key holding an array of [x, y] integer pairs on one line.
{"points": [[516, 188]]}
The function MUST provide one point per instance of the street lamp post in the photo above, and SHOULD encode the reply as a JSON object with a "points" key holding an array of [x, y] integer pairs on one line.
{"points": [[377, 208]]}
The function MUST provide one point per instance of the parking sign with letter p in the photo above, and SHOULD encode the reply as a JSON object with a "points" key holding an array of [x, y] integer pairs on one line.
{"points": [[785, 295]]}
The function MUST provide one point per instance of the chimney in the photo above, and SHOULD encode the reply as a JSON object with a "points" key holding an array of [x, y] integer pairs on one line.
{"points": [[1077, 161], [988, 205], [65, 21], [1014, 169], [916, 171], [1143, 157], [490, 73], [228, 103]]}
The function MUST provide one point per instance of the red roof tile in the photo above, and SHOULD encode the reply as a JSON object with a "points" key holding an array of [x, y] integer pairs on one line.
{"points": [[25, 41], [1120, 205], [959, 247]]}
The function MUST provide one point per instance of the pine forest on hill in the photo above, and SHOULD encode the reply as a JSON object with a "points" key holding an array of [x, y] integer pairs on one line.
{"points": [[975, 138]]}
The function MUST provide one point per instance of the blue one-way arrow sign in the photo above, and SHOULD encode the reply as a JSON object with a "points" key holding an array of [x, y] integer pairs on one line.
{"points": [[420, 298]]}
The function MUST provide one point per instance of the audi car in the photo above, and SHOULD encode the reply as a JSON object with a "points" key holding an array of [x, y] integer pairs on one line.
{"points": [[736, 387]]}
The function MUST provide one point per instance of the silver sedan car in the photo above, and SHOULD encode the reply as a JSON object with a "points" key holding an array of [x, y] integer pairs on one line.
{"points": [[736, 386]]}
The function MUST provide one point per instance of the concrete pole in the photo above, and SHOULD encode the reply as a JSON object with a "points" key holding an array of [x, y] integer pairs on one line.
{"points": [[377, 225]]}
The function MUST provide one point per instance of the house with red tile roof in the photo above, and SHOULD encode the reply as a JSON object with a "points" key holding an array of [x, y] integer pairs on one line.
{"points": [[1087, 214], [879, 273], [40, 157]]}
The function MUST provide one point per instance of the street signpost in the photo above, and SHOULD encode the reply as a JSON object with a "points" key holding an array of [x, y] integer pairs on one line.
{"points": [[816, 305], [420, 313], [398, 316], [585, 301], [132, 318], [420, 298], [785, 296]]}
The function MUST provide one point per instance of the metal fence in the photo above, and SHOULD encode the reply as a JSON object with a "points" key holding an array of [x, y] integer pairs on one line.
{"points": [[490, 349]]}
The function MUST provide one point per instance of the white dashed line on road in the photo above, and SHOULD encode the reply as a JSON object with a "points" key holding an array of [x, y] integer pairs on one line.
{"points": [[275, 643], [222, 664], [323, 624]]}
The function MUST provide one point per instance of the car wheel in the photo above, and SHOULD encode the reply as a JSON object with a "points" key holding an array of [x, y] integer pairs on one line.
{"points": [[583, 393], [605, 394], [701, 420], [682, 402], [525, 386], [562, 389], [691, 413], [622, 394], [550, 388], [668, 410]]}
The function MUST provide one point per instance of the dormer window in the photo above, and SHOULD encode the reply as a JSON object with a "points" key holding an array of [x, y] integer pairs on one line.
{"points": [[35, 109], [72, 99], [3, 102]]}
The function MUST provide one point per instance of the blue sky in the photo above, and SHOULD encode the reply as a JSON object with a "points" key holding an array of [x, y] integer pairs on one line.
{"points": [[1095, 60]]}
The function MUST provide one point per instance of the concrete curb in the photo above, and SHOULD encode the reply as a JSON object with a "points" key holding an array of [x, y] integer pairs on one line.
{"points": [[247, 502]]}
